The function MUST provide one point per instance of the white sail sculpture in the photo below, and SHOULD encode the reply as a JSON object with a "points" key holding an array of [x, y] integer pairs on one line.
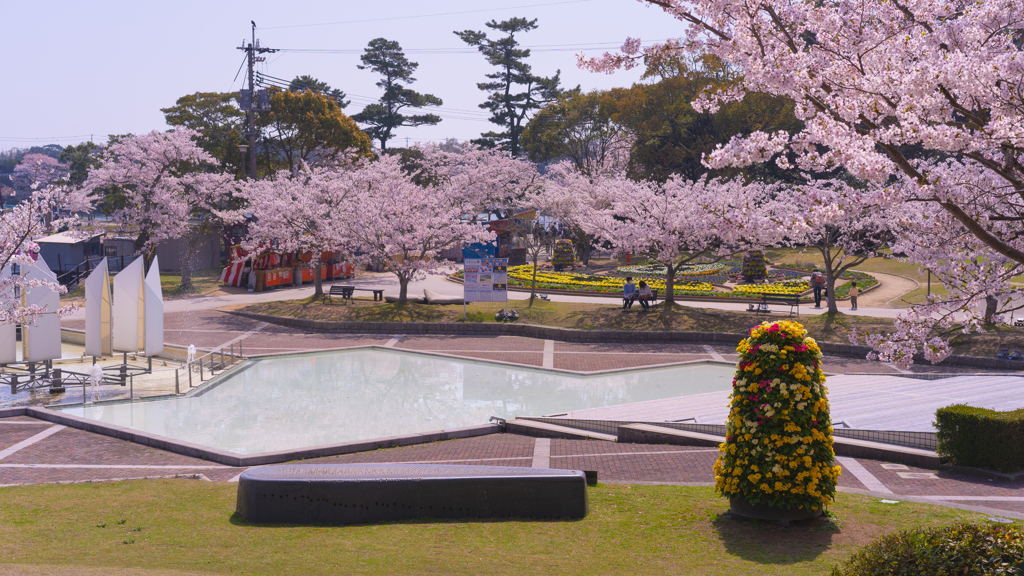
{"points": [[153, 309], [42, 338], [98, 331], [8, 334], [138, 310]]}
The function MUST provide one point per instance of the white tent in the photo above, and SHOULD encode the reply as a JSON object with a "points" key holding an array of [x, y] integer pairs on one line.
{"points": [[129, 308], [42, 337], [8, 334], [138, 310], [98, 337], [153, 309]]}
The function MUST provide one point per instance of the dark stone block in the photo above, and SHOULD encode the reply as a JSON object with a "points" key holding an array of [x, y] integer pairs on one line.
{"points": [[360, 493]]}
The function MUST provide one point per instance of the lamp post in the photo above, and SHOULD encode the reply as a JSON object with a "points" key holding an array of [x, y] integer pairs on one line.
{"points": [[243, 148]]}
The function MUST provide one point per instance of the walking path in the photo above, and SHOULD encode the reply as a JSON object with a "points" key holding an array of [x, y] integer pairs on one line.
{"points": [[231, 296]]}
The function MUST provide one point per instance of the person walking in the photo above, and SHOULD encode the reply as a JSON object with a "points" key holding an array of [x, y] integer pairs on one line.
{"points": [[628, 294], [818, 284], [645, 296], [854, 291]]}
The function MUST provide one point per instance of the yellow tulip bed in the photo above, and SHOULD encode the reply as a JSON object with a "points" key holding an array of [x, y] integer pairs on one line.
{"points": [[787, 288], [521, 276]]}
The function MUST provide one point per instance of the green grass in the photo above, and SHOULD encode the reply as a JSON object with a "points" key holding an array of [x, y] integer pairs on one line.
{"points": [[189, 525], [203, 281]]}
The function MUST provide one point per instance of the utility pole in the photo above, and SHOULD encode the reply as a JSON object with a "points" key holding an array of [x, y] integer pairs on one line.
{"points": [[254, 103]]}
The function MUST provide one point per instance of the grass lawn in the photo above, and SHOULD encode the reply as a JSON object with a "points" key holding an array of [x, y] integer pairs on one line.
{"points": [[587, 316], [203, 281], [187, 525]]}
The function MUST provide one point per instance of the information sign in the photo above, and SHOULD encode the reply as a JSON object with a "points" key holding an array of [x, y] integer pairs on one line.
{"points": [[485, 280]]}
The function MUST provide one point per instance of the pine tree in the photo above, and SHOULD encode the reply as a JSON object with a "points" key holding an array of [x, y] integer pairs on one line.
{"points": [[386, 58], [510, 108]]}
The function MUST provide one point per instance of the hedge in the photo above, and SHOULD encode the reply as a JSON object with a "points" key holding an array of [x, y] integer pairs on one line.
{"points": [[980, 437], [957, 549]]}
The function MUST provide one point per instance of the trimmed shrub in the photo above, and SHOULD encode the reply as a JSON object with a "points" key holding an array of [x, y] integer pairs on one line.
{"points": [[958, 549], [979, 437], [778, 447]]}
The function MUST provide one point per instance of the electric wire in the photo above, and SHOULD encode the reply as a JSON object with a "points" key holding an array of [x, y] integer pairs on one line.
{"points": [[424, 15]]}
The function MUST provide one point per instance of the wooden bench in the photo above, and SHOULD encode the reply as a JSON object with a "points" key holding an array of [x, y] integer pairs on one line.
{"points": [[378, 293], [345, 292], [792, 301], [652, 301]]}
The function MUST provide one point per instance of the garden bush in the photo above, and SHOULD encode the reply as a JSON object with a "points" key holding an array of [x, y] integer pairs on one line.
{"points": [[755, 266], [778, 447], [973, 549], [979, 437]]}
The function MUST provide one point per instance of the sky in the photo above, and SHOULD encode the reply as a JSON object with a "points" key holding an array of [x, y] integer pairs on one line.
{"points": [[80, 70]]}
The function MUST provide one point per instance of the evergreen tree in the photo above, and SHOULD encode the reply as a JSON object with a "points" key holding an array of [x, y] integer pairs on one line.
{"points": [[306, 82], [515, 91], [386, 58]]}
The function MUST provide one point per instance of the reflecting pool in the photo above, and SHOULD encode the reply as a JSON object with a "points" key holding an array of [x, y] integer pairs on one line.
{"points": [[306, 400]]}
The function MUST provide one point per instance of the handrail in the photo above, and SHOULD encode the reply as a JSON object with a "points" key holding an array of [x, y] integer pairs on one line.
{"points": [[223, 364]]}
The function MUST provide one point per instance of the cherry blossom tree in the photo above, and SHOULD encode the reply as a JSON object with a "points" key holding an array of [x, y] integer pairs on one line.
{"points": [[18, 227], [847, 226], [923, 92], [164, 186], [406, 225], [298, 211], [680, 221], [37, 170]]}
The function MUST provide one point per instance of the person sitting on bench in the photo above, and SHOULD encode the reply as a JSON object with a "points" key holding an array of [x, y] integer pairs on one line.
{"points": [[645, 296], [628, 293]]}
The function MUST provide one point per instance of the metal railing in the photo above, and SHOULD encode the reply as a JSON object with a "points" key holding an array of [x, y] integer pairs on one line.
{"points": [[71, 277], [208, 364]]}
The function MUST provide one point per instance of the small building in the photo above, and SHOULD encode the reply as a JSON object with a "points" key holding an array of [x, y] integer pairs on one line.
{"points": [[67, 251]]}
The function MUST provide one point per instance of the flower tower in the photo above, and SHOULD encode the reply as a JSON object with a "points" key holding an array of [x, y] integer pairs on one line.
{"points": [[777, 461], [755, 266], [563, 257]]}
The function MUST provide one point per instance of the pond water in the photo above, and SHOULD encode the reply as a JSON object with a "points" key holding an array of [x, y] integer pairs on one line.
{"points": [[306, 400]]}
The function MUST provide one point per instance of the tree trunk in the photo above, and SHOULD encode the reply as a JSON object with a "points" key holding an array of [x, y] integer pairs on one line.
{"points": [[670, 282], [533, 282], [185, 285], [830, 286], [318, 284], [991, 305], [403, 288]]}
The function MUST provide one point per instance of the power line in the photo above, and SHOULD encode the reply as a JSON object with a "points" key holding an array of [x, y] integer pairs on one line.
{"points": [[466, 49], [425, 15]]}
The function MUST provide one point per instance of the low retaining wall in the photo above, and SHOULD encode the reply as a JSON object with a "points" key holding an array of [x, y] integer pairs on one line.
{"points": [[573, 335]]}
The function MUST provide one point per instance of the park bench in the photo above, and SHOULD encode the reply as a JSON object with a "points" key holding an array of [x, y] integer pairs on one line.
{"points": [[378, 293], [652, 301], [345, 292], [762, 308]]}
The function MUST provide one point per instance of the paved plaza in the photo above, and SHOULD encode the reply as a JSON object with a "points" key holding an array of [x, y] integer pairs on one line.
{"points": [[33, 451]]}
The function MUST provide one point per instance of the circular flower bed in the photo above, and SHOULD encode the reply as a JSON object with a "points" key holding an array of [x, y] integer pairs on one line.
{"points": [[659, 270], [778, 448]]}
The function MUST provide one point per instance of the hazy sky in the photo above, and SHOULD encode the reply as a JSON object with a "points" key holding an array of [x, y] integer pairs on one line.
{"points": [[76, 69]]}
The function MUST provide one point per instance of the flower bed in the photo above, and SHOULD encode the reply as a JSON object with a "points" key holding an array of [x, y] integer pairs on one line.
{"points": [[659, 270], [788, 288], [521, 276]]}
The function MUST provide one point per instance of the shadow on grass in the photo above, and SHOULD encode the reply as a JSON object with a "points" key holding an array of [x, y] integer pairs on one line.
{"points": [[237, 520], [769, 543]]}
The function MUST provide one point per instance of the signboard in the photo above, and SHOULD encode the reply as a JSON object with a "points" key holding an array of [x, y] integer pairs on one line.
{"points": [[485, 280]]}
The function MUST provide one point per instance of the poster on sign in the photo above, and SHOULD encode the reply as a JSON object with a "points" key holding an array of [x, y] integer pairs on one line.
{"points": [[485, 280]]}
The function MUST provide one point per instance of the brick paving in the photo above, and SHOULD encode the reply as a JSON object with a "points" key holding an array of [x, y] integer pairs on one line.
{"points": [[71, 455]]}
